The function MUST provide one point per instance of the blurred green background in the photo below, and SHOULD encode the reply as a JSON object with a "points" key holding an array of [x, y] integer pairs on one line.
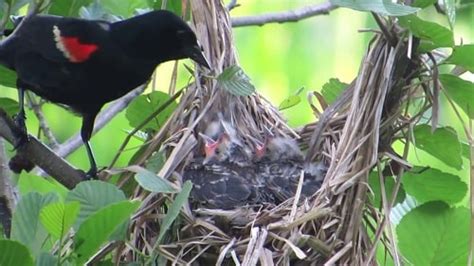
{"points": [[279, 58]]}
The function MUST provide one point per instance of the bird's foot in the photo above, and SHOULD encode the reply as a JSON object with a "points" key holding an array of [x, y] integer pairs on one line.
{"points": [[21, 138], [21, 134], [19, 120], [92, 174]]}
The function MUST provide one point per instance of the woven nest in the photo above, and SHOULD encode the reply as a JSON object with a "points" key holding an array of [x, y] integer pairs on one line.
{"points": [[337, 225]]}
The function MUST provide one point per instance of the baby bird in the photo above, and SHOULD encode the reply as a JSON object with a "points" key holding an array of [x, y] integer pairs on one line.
{"points": [[221, 143]]}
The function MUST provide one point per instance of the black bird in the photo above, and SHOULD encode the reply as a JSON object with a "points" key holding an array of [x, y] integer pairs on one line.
{"points": [[83, 64]]}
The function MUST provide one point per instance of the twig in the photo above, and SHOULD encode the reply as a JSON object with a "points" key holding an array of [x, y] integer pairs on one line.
{"points": [[435, 107], [285, 16], [52, 142], [142, 124], [40, 155], [388, 35], [232, 4]]}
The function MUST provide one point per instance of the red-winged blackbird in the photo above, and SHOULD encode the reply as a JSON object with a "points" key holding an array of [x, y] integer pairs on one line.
{"points": [[84, 64]]}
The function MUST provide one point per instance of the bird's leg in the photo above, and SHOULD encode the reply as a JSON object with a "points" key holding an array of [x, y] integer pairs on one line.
{"points": [[19, 118], [86, 134], [92, 173]]}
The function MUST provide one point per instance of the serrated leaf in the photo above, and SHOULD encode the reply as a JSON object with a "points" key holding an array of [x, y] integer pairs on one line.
{"points": [[462, 56], [150, 181], [332, 89], [461, 91], [289, 102], [97, 228], [443, 144], [432, 35], [26, 225], [58, 217], [93, 196], [383, 7], [434, 234], [145, 105], [13, 253], [9, 105], [434, 185], [234, 80], [174, 209]]}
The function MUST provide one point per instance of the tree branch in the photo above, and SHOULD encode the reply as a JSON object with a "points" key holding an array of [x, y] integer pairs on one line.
{"points": [[7, 191], [285, 16], [39, 154], [232, 4]]}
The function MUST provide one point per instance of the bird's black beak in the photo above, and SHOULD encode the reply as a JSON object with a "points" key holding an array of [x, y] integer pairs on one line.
{"points": [[196, 53]]}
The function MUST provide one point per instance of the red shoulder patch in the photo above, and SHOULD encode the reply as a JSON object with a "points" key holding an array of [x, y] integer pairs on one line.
{"points": [[72, 48]]}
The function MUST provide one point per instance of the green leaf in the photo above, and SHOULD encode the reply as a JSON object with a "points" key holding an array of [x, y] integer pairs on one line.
{"points": [[7, 77], [423, 3], [332, 89], [123, 8], [26, 225], [156, 161], [151, 182], [434, 234], [432, 35], [95, 11], [173, 6], [93, 196], [174, 209], [389, 183], [13, 253], [465, 150], [383, 7], [145, 105], [16, 5], [234, 80], [97, 228], [33, 183], [289, 102], [58, 217], [434, 185], [67, 8], [9, 105], [443, 144], [461, 91], [462, 56], [46, 259], [450, 7]]}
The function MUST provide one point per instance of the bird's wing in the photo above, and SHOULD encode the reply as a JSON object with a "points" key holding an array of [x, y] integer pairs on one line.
{"points": [[46, 78], [63, 40]]}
